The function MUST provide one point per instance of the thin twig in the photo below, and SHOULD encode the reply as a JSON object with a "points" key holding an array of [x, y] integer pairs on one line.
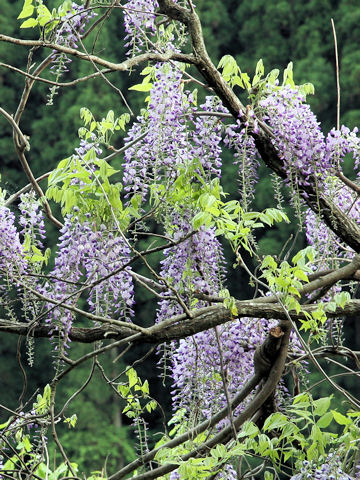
{"points": [[52, 82], [337, 76]]}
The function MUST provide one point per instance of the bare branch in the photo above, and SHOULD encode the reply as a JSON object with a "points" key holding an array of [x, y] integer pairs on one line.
{"points": [[114, 67], [51, 82]]}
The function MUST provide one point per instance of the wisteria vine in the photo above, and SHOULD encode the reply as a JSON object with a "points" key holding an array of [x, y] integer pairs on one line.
{"points": [[162, 176]]}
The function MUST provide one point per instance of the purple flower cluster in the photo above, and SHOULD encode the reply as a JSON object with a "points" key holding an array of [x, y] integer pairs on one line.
{"points": [[165, 146], [206, 136], [227, 473], [196, 266], [86, 254], [299, 139], [175, 137], [86, 145], [297, 135], [67, 34], [12, 258], [196, 365], [116, 294], [318, 234], [32, 219], [343, 141], [72, 25], [192, 266], [329, 470], [246, 157], [139, 20]]}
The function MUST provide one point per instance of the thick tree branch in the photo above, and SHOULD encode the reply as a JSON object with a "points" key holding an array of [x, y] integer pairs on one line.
{"points": [[202, 320]]}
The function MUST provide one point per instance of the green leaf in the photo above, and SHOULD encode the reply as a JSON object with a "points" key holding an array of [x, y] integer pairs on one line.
{"points": [[340, 418], [301, 275], [28, 9], [331, 306], [302, 398], [269, 475], [342, 298], [269, 262], [276, 420], [200, 219], [44, 14], [29, 23], [145, 387], [325, 420], [71, 421], [142, 87], [132, 376], [123, 390], [322, 405], [249, 429], [259, 72]]}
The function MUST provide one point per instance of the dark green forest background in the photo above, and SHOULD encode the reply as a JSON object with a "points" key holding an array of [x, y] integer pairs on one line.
{"points": [[276, 31]]}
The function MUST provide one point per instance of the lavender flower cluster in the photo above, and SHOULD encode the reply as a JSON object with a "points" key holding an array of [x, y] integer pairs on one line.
{"points": [[299, 139], [72, 25], [32, 219], [343, 141], [196, 366], [86, 145], [139, 20], [192, 266], [67, 34], [246, 157], [297, 133], [87, 254], [206, 136], [196, 266], [174, 136], [12, 257], [330, 469], [165, 146], [318, 234]]}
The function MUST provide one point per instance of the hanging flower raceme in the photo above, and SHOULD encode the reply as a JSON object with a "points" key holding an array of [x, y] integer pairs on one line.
{"points": [[87, 254], [297, 133], [319, 235], [246, 158], [206, 135], [139, 20], [165, 145], [196, 266], [110, 253], [299, 139], [32, 219], [72, 25], [330, 469], [341, 142], [13, 263]]}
